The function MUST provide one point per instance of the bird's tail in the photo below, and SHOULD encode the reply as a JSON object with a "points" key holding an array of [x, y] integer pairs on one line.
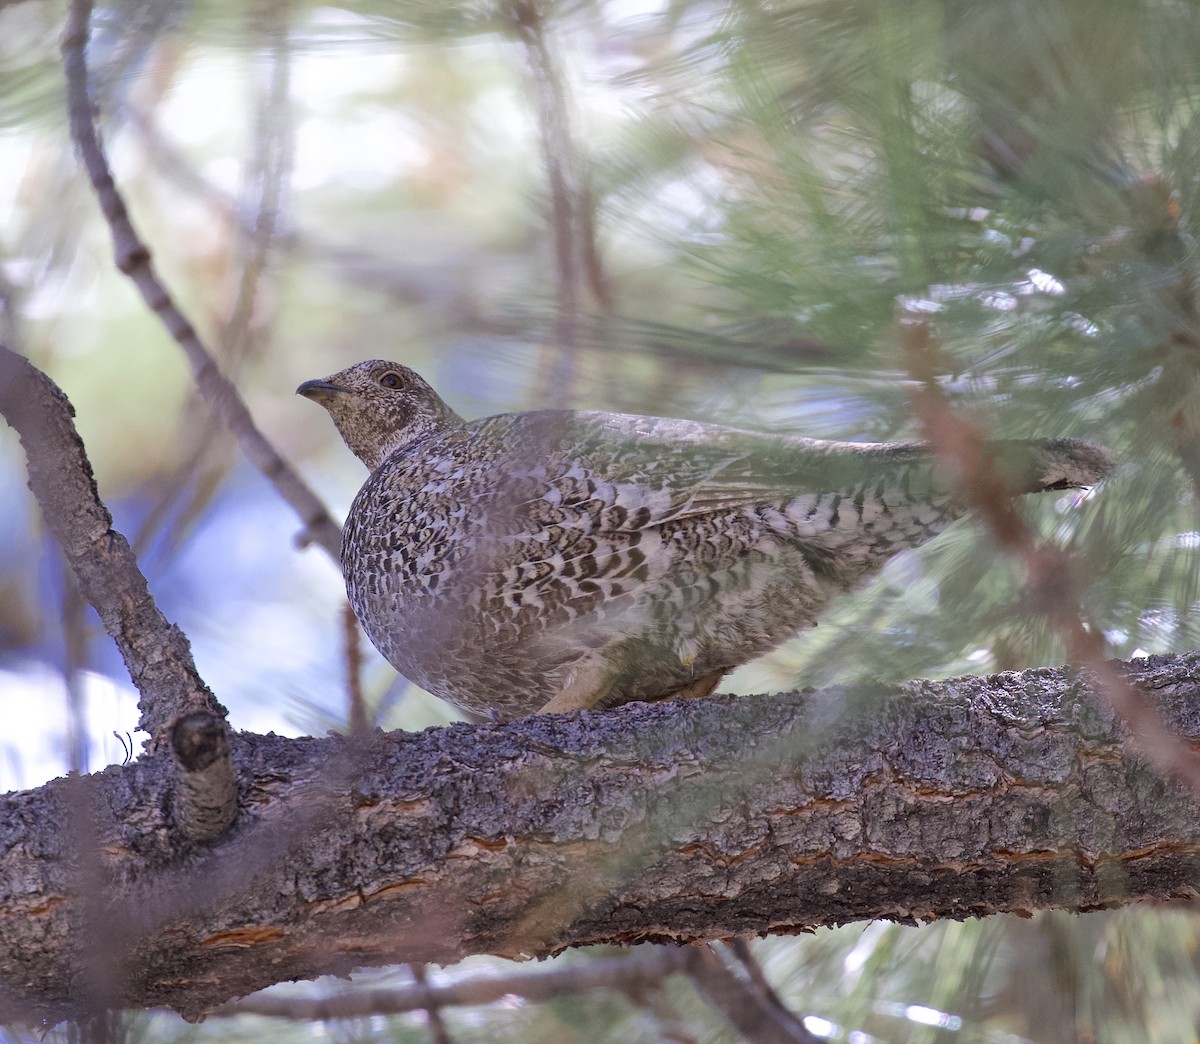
{"points": [[1056, 463]]}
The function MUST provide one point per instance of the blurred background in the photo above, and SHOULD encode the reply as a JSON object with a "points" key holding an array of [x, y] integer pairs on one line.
{"points": [[679, 207]]}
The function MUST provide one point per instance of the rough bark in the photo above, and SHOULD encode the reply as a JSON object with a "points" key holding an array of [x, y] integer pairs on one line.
{"points": [[690, 820]]}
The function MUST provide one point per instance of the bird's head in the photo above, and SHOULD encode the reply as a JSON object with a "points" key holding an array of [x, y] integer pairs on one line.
{"points": [[379, 407]]}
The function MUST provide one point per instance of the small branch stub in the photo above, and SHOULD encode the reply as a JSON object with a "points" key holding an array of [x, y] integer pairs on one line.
{"points": [[204, 803]]}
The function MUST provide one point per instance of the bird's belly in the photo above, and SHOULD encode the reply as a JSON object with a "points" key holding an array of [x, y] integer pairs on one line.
{"points": [[490, 622], [492, 615], [502, 640]]}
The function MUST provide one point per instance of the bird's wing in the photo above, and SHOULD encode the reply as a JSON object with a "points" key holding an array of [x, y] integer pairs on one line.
{"points": [[660, 469], [652, 470]]}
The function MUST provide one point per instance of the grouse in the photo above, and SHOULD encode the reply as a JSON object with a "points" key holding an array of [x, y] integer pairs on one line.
{"points": [[558, 560]]}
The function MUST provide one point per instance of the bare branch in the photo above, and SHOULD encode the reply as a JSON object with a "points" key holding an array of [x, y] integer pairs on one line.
{"points": [[269, 169], [156, 653], [750, 1010], [207, 451], [670, 1027], [133, 258], [576, 258], [762, 990], [639, 969], [693, 820], [357, 706], [1050, 583], [433, 1011]]}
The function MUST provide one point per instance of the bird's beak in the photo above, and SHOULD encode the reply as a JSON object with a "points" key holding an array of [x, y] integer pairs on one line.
{"points": [[318, 390]]}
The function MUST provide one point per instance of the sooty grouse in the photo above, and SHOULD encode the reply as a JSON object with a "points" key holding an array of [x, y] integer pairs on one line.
{"points": [[558, 560]]}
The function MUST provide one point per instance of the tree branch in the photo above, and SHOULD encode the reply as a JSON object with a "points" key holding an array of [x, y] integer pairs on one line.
{"points": [[133, 258], [156, 652], [755, 1014], [692, 820], [637, 970], [577, 263], [438, 1033], [356, 704]]}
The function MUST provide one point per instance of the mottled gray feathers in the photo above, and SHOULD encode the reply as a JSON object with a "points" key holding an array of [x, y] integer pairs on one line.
{"points": [[577, 559]]}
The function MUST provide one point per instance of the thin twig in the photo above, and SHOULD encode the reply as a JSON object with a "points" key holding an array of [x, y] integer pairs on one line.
{"points": [[576, 257], [669, 1025], [557, 153], [647, 964], [155, 652], [753, 1014], [133, 258], [758, 979], [269, 169], [1050, 585], [359, 721], [411, 284], [206, 459], [433, 1014]]}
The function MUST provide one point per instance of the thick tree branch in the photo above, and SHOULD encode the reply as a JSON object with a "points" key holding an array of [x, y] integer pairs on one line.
{"points": [[693, 820], [133, 258], [156, 653]]}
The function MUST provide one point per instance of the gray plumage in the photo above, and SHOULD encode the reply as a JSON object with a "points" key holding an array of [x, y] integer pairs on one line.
{"points": [[555, 560]]}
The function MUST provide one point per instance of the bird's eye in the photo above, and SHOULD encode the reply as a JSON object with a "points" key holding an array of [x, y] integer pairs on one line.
{"points": [[391, 379]]}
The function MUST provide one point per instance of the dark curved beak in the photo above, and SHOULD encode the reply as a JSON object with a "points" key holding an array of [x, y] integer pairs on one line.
{"points": [[318, 389]]}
